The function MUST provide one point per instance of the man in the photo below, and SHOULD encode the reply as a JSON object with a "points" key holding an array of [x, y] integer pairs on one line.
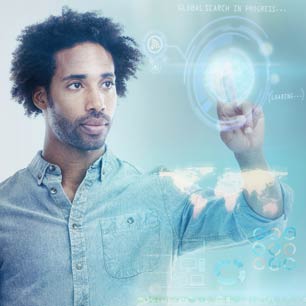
{"points": [[81, 227]]}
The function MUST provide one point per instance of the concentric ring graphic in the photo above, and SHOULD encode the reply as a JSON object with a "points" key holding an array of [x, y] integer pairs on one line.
{"points": [[227, 61]]}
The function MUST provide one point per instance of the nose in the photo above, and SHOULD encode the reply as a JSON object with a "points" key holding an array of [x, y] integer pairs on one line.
{"points": [[95, 100]]}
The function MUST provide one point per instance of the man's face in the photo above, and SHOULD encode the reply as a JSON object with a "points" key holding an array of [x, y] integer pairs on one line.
{"points": [[82, 96]]}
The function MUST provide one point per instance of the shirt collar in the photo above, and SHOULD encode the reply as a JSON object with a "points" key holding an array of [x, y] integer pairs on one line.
{"points": [[39, 167]]}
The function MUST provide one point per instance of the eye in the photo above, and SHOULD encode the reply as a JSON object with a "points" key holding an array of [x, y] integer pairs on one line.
{"points": [[108, 84], [75, 85]]}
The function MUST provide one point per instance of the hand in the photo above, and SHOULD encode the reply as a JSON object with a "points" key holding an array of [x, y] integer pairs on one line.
{"points": [[242, 127]]}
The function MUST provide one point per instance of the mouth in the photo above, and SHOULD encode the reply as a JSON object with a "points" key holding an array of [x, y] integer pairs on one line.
{"points": [[95, 127]]}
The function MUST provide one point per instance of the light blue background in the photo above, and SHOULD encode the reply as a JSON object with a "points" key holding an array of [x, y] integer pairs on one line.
{"points": [[156, 125]]}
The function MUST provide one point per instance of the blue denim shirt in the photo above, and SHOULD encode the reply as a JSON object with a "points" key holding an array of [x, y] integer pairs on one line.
{"points": [[116, 239]]}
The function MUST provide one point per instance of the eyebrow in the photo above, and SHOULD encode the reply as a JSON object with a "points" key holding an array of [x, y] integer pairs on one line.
{"points": [[84, 76]]}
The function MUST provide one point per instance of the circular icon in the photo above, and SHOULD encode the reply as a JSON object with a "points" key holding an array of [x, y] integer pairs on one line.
{"points": [[289, 233], [154, 44], [258, 249], [259, 233], [275, 264], [275, 233], [289, 264], [289, 249], [266, 48], [156, 66], [229, 272], [259, 263]]}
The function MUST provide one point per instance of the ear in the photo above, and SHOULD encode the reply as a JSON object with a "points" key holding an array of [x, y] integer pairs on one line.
{"points": [[40, 98]]}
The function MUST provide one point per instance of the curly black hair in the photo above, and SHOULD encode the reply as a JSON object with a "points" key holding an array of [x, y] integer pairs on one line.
{"points": [[34, 63]]}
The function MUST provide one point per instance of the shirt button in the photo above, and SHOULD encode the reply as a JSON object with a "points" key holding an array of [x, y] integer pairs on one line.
{"points": [[103, 172], [51, 168], [75, 226], [130, 220], [39, 176], [79, 266], [53, 190]]}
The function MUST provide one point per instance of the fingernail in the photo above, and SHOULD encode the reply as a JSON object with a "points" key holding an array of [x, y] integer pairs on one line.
{"points": [[248, 130]]}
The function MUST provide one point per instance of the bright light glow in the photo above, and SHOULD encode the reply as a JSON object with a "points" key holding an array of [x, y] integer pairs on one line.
{"points": [[229, 76]]}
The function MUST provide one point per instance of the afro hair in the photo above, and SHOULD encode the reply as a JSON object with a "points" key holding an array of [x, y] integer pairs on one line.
{"points": [[34, 63]]}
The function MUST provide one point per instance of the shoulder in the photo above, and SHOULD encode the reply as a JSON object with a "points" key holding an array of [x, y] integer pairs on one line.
{"points": [[15, 178], [131, 169], [15, 184], [127, 166], [128, 171], [115, 164]]}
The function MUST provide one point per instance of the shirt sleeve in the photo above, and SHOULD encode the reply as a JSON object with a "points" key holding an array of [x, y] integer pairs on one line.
{"points": [[200, 218]]}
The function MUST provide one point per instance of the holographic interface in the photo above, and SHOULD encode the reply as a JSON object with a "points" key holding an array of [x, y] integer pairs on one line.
{"points": [[227, 61]]}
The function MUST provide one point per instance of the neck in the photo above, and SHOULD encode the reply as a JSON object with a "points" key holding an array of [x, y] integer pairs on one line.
{"points": [[72, 162]]}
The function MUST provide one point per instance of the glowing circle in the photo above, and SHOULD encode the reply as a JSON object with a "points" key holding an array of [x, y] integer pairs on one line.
{"points": [[155, 67], [259, 263], [275, 233], [227, 60], [259, 233], [154, 44], [229, 272], [229, 76], [266, 48], [289, 233], [258, 249], [289, 264], [289, 249]]}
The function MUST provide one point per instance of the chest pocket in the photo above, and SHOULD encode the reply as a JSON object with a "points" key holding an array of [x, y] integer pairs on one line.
{"points": [[131, 243]]}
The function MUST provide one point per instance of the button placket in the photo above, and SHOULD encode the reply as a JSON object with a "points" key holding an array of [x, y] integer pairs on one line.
{"points": [[78, 247]]}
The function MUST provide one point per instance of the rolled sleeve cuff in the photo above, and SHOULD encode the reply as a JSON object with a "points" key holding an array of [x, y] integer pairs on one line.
{"points": [[253, 226]]}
